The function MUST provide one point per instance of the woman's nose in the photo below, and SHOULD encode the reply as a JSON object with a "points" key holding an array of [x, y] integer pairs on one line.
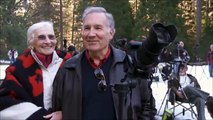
{"points": [[47, 40]]}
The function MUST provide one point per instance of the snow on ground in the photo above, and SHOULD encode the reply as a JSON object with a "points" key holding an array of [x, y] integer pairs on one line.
{"points": [[160, 88], [2, 71]]}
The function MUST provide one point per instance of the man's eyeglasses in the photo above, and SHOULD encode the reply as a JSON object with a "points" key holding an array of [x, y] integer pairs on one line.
{"points": [[44, 37], [99, 74]]}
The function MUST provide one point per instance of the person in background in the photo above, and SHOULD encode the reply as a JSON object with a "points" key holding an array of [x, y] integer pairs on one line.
{"points": [[12, 54], [179, 56], [210, 60], [72, 50], [65, 44], [187, 89], [209, 105], [88, 86], [26, 92]]}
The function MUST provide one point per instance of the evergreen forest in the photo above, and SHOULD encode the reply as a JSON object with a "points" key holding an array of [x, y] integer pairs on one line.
{"points": [[133, 19]]}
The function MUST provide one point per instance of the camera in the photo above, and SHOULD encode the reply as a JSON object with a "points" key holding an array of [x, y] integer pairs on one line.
{"points": [[144, 54], [148, 50], [159, 37]]}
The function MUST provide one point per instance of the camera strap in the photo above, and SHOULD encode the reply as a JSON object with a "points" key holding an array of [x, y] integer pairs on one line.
{"points": [[128, 66]]}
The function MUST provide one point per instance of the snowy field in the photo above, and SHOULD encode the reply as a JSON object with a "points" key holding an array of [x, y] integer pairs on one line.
{"points": [[2, 71], [160, 88]]}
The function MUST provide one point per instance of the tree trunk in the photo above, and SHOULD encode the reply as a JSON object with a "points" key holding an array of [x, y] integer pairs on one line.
{"points": [[198, 16]]}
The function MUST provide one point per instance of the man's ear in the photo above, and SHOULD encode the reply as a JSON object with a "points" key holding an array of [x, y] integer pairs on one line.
{"points": [[112, 32]]}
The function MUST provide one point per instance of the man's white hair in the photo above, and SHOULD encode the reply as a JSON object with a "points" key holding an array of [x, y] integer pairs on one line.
{"points": [[89, 10]]}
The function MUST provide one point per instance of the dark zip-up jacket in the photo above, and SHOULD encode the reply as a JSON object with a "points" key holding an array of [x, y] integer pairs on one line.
{"points": [[67, 90]]}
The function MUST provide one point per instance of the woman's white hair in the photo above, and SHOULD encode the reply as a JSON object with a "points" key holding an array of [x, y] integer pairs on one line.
{"points": [[34, 27]]}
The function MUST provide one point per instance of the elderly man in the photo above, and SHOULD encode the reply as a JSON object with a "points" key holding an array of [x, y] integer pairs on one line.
{"points": [[97, 84]]}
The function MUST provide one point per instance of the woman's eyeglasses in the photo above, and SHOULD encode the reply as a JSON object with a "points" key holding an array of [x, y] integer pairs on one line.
{"points": [[99, 74], [44, 37]]}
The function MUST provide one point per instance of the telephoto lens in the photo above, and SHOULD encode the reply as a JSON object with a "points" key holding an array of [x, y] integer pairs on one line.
{"points": [[159, 37]]}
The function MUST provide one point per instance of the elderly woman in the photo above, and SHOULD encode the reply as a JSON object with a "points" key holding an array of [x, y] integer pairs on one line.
{"points": [[26, 91]]}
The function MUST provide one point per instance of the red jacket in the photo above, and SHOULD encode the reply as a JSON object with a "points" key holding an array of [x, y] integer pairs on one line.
{"points": [[210, 57]]}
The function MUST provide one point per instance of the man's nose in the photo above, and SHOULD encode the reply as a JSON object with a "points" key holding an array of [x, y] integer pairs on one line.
{"points": [[92, 32]]}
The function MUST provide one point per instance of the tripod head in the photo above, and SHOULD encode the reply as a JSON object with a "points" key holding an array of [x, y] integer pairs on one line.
{"points": [[125, 87]]}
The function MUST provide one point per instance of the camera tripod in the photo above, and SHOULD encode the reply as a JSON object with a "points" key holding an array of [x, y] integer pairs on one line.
{"points": [[176, 104], [170, 94]]}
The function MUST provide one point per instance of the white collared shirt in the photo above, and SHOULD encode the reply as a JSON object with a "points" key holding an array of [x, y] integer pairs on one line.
{"points": [[185, 81]]}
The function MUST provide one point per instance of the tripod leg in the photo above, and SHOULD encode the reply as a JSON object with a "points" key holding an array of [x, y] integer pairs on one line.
{"points": [[167, 100], [163, 101]]}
